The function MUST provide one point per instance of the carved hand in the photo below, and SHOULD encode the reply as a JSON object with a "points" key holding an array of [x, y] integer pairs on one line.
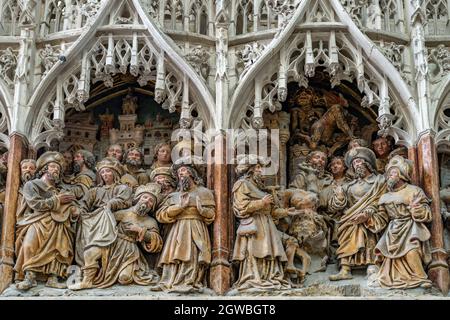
{"points": [[65, 198], [131, 228], [184, 200], [267, 199], [74, 212], [361, 217]]}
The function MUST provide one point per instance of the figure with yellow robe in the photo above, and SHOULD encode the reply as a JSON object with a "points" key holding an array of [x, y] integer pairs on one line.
{"points": [[97, 230], [125, 262], [134, 159], [84, 176], [361, 222], [186, 254], [27, 173], [404, 248], [46, 229], [258, 248]]}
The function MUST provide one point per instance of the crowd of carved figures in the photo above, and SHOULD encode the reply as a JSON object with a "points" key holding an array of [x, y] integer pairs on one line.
{"points": [[123, 223]]}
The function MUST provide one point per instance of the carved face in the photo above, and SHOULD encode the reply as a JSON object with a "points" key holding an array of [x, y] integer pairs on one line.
{"points": [[134, 157], [360, 167], [164, 182], [107, 175], [164, 154], [115, 151], [318, 160], [393, 176], [185, 178], [78, 162], [68, 158], [53, 171], [337, 167], [381, 147], [27, 171], [146, 203]]}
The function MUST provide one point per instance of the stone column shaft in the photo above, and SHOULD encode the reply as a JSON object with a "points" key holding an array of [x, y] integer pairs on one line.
{"points": [[429, 168], [17, 152], [220, 276]]}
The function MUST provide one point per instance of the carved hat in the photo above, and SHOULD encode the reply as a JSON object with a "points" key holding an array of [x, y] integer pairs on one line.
{"points": [[47, 157], [165, 171], [153, 188], [360, 152], [404, 166], [111, 163], [245, 162]]}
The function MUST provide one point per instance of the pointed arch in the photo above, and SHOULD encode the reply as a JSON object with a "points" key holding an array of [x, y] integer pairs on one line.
{"points": [[441, 116], [366, 60], [147, 55]]}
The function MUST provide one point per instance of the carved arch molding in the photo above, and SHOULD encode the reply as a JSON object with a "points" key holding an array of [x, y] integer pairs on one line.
{"points": [[343, 62], [107, 56]]}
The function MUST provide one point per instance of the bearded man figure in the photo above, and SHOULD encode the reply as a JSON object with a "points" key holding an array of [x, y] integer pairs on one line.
{"points": [[125, 262], [97, 230], [258, 248], [361, 222], [134, 158], [187, 251], [165, 177], [46, 230], [404, 248], [313, 176], [84, 176]]}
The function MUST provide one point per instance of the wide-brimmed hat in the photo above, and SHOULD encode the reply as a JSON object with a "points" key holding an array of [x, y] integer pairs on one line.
{"points": [[362, 153], [48, 157]]}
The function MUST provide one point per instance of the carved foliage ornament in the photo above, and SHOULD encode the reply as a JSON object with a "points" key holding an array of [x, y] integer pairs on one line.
{"points": [[439, 62], [198, 58], [8, 64]]}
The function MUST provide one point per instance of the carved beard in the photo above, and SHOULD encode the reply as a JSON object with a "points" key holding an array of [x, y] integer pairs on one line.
{"points": [[166, 187], [77, 167], [185, 183], [142, 209], [133, 163], [54, 177], [391, 182], [258, 180], [360, 172], [26, 176], [319, 168]]}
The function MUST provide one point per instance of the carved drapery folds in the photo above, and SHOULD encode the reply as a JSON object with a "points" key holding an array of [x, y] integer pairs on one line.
{"points": [[108, 56]]}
